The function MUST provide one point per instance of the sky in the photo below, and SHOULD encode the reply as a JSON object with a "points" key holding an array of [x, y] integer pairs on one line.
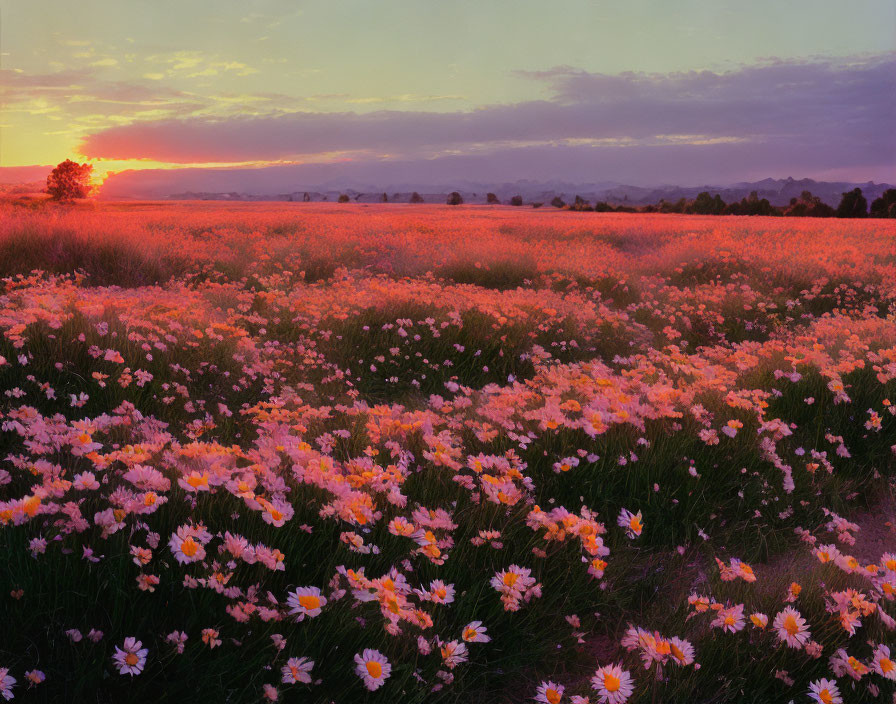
{"points": [[642, 92]]}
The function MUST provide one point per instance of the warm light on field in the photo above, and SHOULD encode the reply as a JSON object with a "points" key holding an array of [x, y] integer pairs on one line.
{"points": [[422, 453]]}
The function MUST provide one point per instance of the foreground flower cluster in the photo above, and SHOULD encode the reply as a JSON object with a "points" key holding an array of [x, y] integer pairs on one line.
{"points": [[422, 454]]}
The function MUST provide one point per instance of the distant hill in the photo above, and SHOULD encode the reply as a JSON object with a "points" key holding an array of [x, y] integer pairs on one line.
{"points": [[322, 182], [777, 191]]}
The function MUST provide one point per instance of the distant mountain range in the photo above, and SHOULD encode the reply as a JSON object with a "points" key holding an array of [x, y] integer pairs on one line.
{"points": [[273, 184], [777, 191]]}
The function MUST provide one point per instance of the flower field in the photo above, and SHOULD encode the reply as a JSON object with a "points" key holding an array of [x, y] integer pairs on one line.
{"points": [[391, 453]]}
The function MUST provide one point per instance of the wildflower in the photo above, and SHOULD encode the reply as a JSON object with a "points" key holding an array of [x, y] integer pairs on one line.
{"points": [[612, 684], [791, 627], [35, 677], [882, 663], [6, 683], [178, 639], [453, 653], [297, 670], [842, 663], [187, 544], [793, 591], [631, 522], [210, 637], [306, 601], [549, 693], [730, 620], [759, 620], [825, 691], [373, 668], [474, 632], [131, 659]]}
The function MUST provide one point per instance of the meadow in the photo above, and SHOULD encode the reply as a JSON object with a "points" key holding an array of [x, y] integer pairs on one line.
{"points": [[393, 453]]}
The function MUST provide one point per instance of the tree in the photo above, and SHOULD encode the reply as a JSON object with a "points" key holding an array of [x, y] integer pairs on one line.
{"points": [[516, 200], [808, 206], [491, 199], [557, 202], [853, 205], [343, 198], [885, 206], [416, 198], [454, 198], [384, 199], [580, 204], [706, 204], [306, 198], [70, 180]]}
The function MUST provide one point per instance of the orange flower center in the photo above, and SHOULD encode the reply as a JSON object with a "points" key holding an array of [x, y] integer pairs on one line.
{"points": [[131, 659], [552, 695], [189, 547], [309, 602], [790, 625], [611, 682], [374, 669]]}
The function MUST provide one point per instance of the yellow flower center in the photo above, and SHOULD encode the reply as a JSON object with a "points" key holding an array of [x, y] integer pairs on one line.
{"points": [[886, 665], [189, 547], [552, 695], [374, 669], [510, 579], [825, 696]]}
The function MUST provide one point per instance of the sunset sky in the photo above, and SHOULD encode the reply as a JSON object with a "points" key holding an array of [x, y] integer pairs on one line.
{"points": [[639, 92]]}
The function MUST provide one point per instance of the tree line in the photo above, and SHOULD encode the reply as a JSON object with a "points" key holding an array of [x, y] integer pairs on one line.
{"points": [[852, 205], [70, 180]]}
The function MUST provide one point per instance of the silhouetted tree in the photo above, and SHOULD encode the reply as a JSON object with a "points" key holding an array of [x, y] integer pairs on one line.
{"points": [[306, 198], [808, 206], [885, 206], [603, 207], [537, 205], [384, 199], [580, 204], [416, 198], [491, 199], [516, 200], [454, 198], [557, 202], [853, 205], [752, 205], [343, 198], [706, 204], [70, 180]]}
